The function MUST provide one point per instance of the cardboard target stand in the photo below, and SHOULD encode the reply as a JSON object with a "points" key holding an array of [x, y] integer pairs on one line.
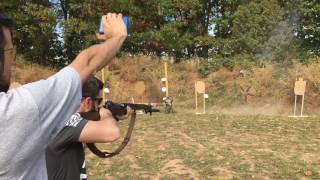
{"points": [[299, 90], [200, 89]]}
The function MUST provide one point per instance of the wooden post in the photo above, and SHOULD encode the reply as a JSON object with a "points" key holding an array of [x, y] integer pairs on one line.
{"points": [[295, 105], [204, 104], [196, 93], [302, 105]]}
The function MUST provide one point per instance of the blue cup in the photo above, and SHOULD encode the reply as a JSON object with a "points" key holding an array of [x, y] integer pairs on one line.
{"points": [[124, 18]]}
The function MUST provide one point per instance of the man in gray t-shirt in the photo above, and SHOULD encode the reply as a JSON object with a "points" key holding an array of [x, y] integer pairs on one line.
{"points": [[32, 114]]}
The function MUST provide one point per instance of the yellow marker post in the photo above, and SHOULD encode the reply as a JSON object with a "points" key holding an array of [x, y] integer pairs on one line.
{"points": [[166, 76], [103, 80], [103, 69], [200, 88]]}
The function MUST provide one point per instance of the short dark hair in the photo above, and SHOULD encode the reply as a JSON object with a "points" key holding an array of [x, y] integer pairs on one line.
{"points": [[91, 87]]}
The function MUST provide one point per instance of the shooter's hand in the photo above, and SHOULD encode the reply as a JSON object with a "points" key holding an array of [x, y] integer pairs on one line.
{"points": [[129, 112]]}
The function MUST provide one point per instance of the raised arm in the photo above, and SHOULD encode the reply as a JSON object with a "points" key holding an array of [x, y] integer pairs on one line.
{"points": [[94, 58]]}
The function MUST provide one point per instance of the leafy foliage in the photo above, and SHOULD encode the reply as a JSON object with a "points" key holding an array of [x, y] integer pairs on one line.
{"points": [[53, 32], [308, 28]]}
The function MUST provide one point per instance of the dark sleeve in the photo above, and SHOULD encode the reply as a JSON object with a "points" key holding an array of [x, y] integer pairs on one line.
{"points": [[69, 134]]}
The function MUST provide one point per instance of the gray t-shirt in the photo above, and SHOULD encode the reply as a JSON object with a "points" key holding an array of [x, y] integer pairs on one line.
{"points": [[30, 117]]}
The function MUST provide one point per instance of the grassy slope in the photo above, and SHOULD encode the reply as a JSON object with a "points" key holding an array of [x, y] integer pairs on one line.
{"points": [[271, 87]]}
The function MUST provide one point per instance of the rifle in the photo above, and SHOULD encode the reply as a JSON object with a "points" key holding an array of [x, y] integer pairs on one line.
{"points": [[120, 109], [117, 109]]}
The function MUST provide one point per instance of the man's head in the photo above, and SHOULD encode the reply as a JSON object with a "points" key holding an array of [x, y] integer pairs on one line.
{"points": [[6, 52], [91, 95]]}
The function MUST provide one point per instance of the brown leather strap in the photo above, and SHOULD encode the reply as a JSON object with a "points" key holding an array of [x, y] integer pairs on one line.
{"points": [[104, 154]]}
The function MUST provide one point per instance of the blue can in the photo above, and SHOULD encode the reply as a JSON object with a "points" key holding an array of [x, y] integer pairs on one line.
{"points": [[125, 20]]}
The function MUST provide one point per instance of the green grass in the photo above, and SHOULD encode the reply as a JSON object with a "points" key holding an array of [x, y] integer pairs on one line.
{"points": [[189, 146]]}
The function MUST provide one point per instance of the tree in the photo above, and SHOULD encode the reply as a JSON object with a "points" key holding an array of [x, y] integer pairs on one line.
{"points": [[34, 33], [53, 32], [252, 25], [308, 30]]}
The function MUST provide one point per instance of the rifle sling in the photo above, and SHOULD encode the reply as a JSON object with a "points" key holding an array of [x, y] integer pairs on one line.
{"points": [[104, 154]]}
